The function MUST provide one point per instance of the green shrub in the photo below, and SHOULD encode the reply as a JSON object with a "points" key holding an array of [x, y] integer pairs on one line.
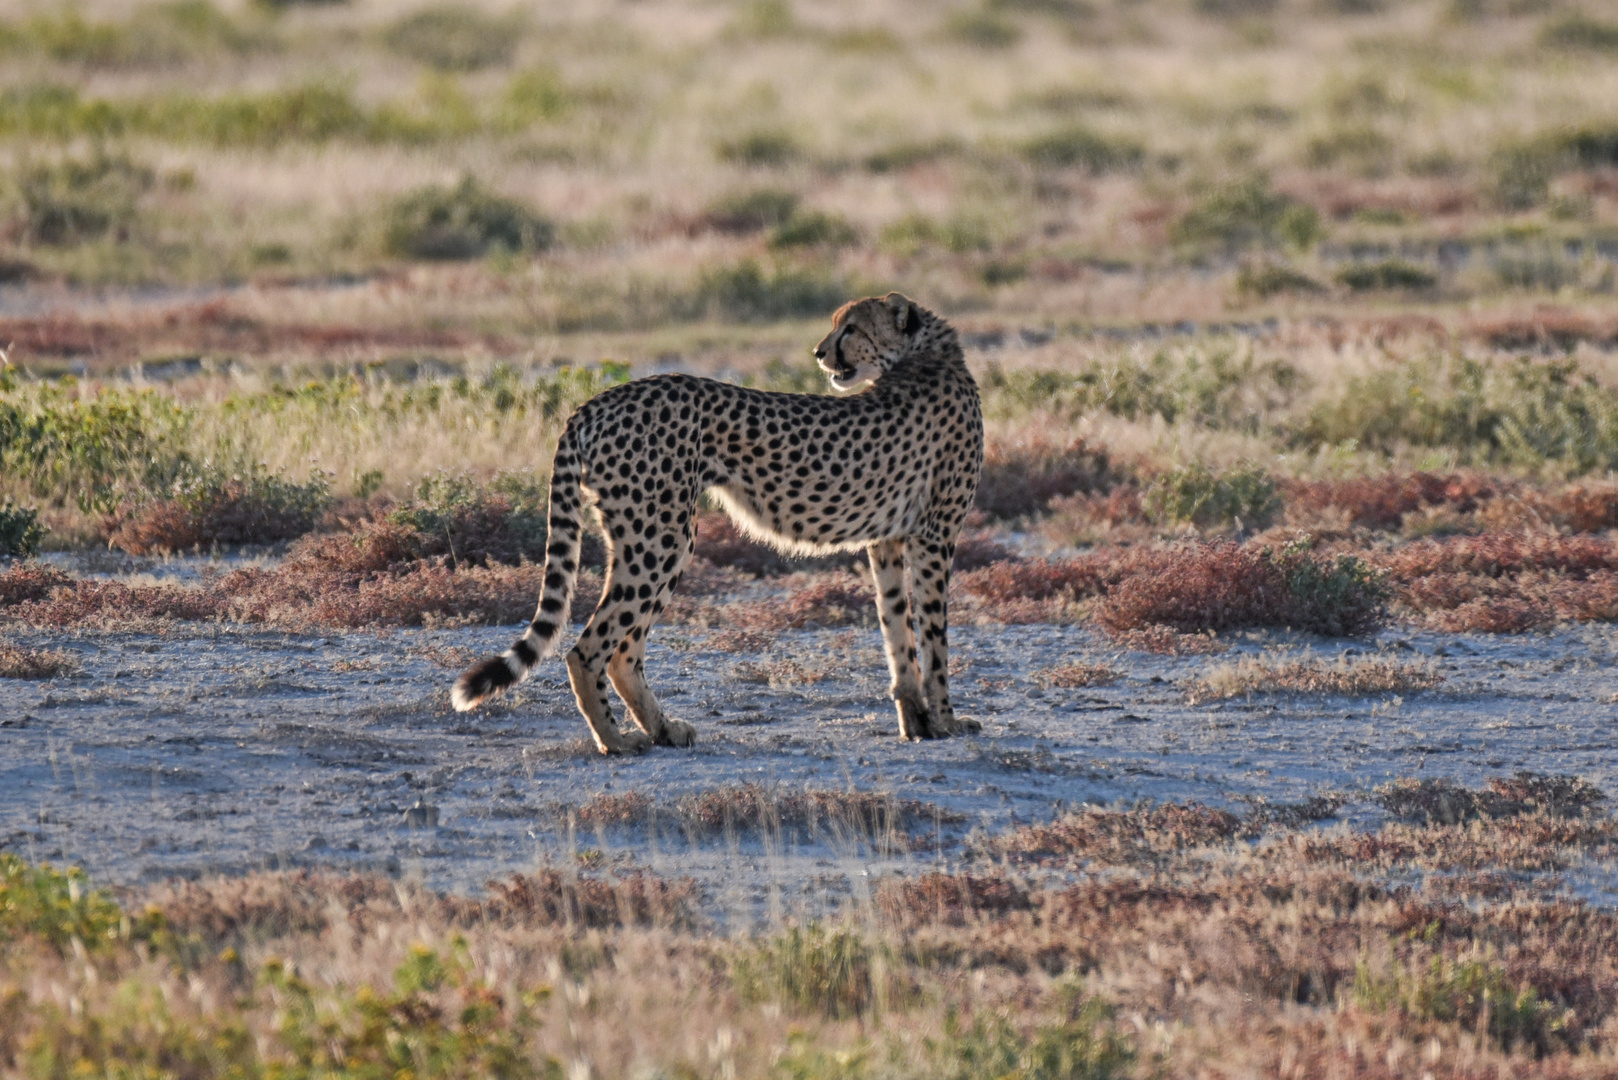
{"points": [[1546, 268], [1387, 274], [408, 1030], [462, 222], [137, 1035], [915, 233], [1523, 412], [1473, 994], [20, 530], [1194, 494], [89, 451], [453, 38], [764, 19], [760, 148], [752, 211], [1235, 9], [1217, 388], [210, 505], [1267, 279], [80, 199], [1079, 146], [453, 516], [1246, 214], [983, 29], [905, 155], [1083, 1045], [1356, 144], [812, 970], [811, 228], [746, 293], [1579, 31], [1347, 593], [55, 906], [1002, 272]]}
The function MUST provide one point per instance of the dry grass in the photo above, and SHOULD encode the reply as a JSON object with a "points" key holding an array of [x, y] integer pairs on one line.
{"points": [[1334, 949], [1312, 675], [17, 662], [754, 808], [1077, 674]]}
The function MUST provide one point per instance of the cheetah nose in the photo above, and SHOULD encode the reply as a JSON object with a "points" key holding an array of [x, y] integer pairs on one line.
{"points": [[820, 354]]}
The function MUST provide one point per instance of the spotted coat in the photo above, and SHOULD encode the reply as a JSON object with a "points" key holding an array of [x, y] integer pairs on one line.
{"points": [[892, 469]]}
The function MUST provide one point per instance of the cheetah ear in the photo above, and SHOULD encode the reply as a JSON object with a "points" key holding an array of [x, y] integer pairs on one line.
{"points": [[906, 316]]}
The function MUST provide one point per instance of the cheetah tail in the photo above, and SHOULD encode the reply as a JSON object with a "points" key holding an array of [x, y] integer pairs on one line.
{"points": [[496, 673]]}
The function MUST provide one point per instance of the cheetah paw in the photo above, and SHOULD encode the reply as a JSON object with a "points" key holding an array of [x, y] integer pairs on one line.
{"points": [[677, 733], [628, 742]]}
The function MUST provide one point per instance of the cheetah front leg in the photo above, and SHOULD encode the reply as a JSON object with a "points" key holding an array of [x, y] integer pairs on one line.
{"points": [[930, 562], [893, 612]]}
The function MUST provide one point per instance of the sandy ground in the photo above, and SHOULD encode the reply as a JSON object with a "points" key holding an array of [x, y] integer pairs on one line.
{"points": [[218, 749]]}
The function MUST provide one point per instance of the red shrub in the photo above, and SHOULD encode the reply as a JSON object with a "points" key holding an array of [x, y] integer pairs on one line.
{"points": [[23, 581], [229, 512], [975, 551], [1224, 586], [721, 542], [1499, 554], [1380, 502], [820, 600], [951, 899], [109, 603], [1037, 579], [1021, 478]]}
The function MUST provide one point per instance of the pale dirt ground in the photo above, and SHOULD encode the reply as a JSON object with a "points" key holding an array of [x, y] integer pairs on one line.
{"points": [[224, 749]]}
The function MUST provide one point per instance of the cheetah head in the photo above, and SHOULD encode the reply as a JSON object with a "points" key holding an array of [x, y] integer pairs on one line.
{"points": [[868, 337]]}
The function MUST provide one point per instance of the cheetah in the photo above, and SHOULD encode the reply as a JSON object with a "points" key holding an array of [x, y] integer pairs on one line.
{"points": [[892, 469]]}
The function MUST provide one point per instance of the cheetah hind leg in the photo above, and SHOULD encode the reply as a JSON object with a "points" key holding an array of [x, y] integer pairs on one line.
{"points": [[627, 670], [590, 688]]}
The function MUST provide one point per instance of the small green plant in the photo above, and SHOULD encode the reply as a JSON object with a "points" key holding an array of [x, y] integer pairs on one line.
{"points": [[454, 38], [80, 199], [813, 228], [1385, 275], [1473, 993], [747, 293], [1344, 596], [1194, 494], [462, 222], [1075, 146], [766, 148], [833, 972], [20, 530], [982, 28], [438, 1020], [753, 211], [1081, 1045], [915, 233], [88, 450], [1247, 214], [1266, 279], [1522, 412], [55, 906], [1578, 31], [209, 505]]}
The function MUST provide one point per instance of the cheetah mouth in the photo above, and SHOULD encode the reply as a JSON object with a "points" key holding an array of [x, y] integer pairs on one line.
{"points": [[839, 372]]}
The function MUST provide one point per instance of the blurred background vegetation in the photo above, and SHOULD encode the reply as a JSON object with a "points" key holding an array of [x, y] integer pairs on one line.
{"points": [[1307, 234]]}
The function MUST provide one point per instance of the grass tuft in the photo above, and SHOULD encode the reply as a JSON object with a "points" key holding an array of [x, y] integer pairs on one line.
{"points": [[20, 663], [1311, 675], [462, 222]]}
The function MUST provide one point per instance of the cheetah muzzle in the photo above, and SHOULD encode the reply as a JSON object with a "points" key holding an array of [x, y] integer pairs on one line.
{"points": [[892, 469]]}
